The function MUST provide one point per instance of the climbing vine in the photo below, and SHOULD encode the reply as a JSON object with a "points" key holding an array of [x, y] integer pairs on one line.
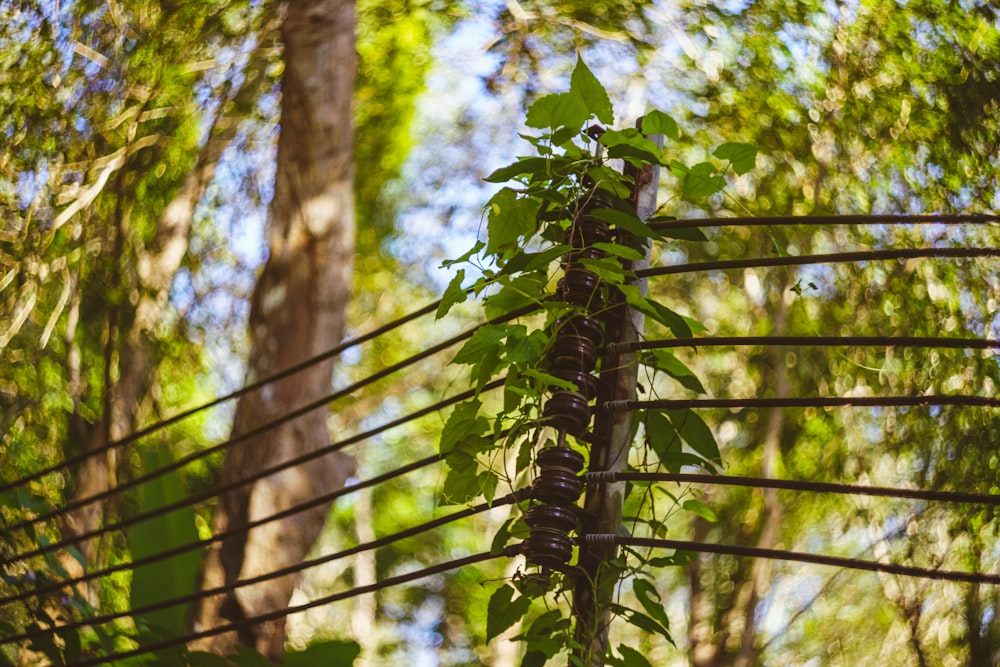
{"points": [[561, 240]]}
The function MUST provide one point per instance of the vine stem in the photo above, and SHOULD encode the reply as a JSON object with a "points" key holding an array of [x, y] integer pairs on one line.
{"points": [[594, 586]]}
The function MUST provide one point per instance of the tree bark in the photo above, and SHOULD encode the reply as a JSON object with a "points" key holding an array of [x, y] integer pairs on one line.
{"points": [[297, 311]]}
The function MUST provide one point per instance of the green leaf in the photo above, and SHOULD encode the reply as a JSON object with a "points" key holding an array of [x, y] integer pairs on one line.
{"points": [[661, 436], [643, 622], [533, 261], [522, 349], [510, 219], [558, 110], [619, 250], [631, 137], [247, 657], [608, 269], [702, 181], [630, 222], [742, 156], [454, 294], [656, 311], [649, 598], [328, 653], [173, 577], [629, 658], [584, 84], [669, 364], [633, 154], [464, 258], [459, 487], [503, 611], [464, 422], [534, 166], [695, 433], [517, 293], [657, 122], [488, 336], [544, 379], [701, 509]]}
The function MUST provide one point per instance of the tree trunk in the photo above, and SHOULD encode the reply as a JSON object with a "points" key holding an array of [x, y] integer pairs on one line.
{"points": [[297, 311]]}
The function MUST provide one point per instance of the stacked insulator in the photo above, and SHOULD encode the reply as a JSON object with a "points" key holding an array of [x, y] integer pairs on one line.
{"points": [[573, 357]]}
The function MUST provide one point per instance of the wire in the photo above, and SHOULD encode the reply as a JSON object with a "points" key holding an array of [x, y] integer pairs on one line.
{"points": [[191, 500], [246, 435], [240, 583], [807, 341], [606, 477], [262, 618], [780, 554], [152, 428], [215, 538], [819, 402], [831, 258], [785, 220]]}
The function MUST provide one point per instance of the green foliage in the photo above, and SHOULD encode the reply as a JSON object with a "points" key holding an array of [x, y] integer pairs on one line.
{"points": [[527, 229]]}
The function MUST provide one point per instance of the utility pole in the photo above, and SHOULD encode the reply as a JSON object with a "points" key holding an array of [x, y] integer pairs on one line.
{"points": [[613, 430]]}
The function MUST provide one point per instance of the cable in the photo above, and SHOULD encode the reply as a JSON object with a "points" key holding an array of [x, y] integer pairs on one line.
{"points": [[191, 500], [807, 341], [831, 258], [132, 437], [294, 414], [240, 583], [292, 510], [262, 618], [785, 220], [607, 477], [819, 402], [780, 554]]}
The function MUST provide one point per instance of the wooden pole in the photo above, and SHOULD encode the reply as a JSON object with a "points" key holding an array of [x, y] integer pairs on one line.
{"points": [[594, 585]]}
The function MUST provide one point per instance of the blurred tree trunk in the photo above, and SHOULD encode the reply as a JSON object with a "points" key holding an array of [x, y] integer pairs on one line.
{"points": [[297, 311]]}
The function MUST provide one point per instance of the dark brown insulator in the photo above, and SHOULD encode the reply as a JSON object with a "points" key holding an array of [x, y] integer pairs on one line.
{"points": [[557, 487], [567, 410], [579, 287], [561, 458], [586, 231], [573, 352], [586, 383], [551, 516], [548, 547], [582, 325]]}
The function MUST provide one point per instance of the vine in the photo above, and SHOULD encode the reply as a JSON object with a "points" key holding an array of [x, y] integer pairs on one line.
{"points": [[561, 239]]}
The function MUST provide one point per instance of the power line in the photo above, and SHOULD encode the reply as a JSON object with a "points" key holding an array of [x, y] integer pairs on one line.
{"points": [[819, 402], [780, 554], [240, 583], [788, 220], [808, 341], [191, 546], [794, 485], [262, 618], [830, 258], [191, 500], [289, 416], [169, 421]]}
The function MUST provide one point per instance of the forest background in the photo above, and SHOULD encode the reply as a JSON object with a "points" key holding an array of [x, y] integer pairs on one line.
{"points": [[143, 152]]}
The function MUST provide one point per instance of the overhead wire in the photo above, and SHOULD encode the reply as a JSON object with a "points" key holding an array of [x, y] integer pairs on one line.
{"points": [[807, 341], [262, 428], [815, 402], [253, 386], [828, 258], [262, 618], [292, 569], [607, 477], [320, 500], [826, 220], [797, 556]]}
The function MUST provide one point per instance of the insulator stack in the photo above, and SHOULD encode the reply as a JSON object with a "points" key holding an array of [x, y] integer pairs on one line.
{"points": [[553, 515]]}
